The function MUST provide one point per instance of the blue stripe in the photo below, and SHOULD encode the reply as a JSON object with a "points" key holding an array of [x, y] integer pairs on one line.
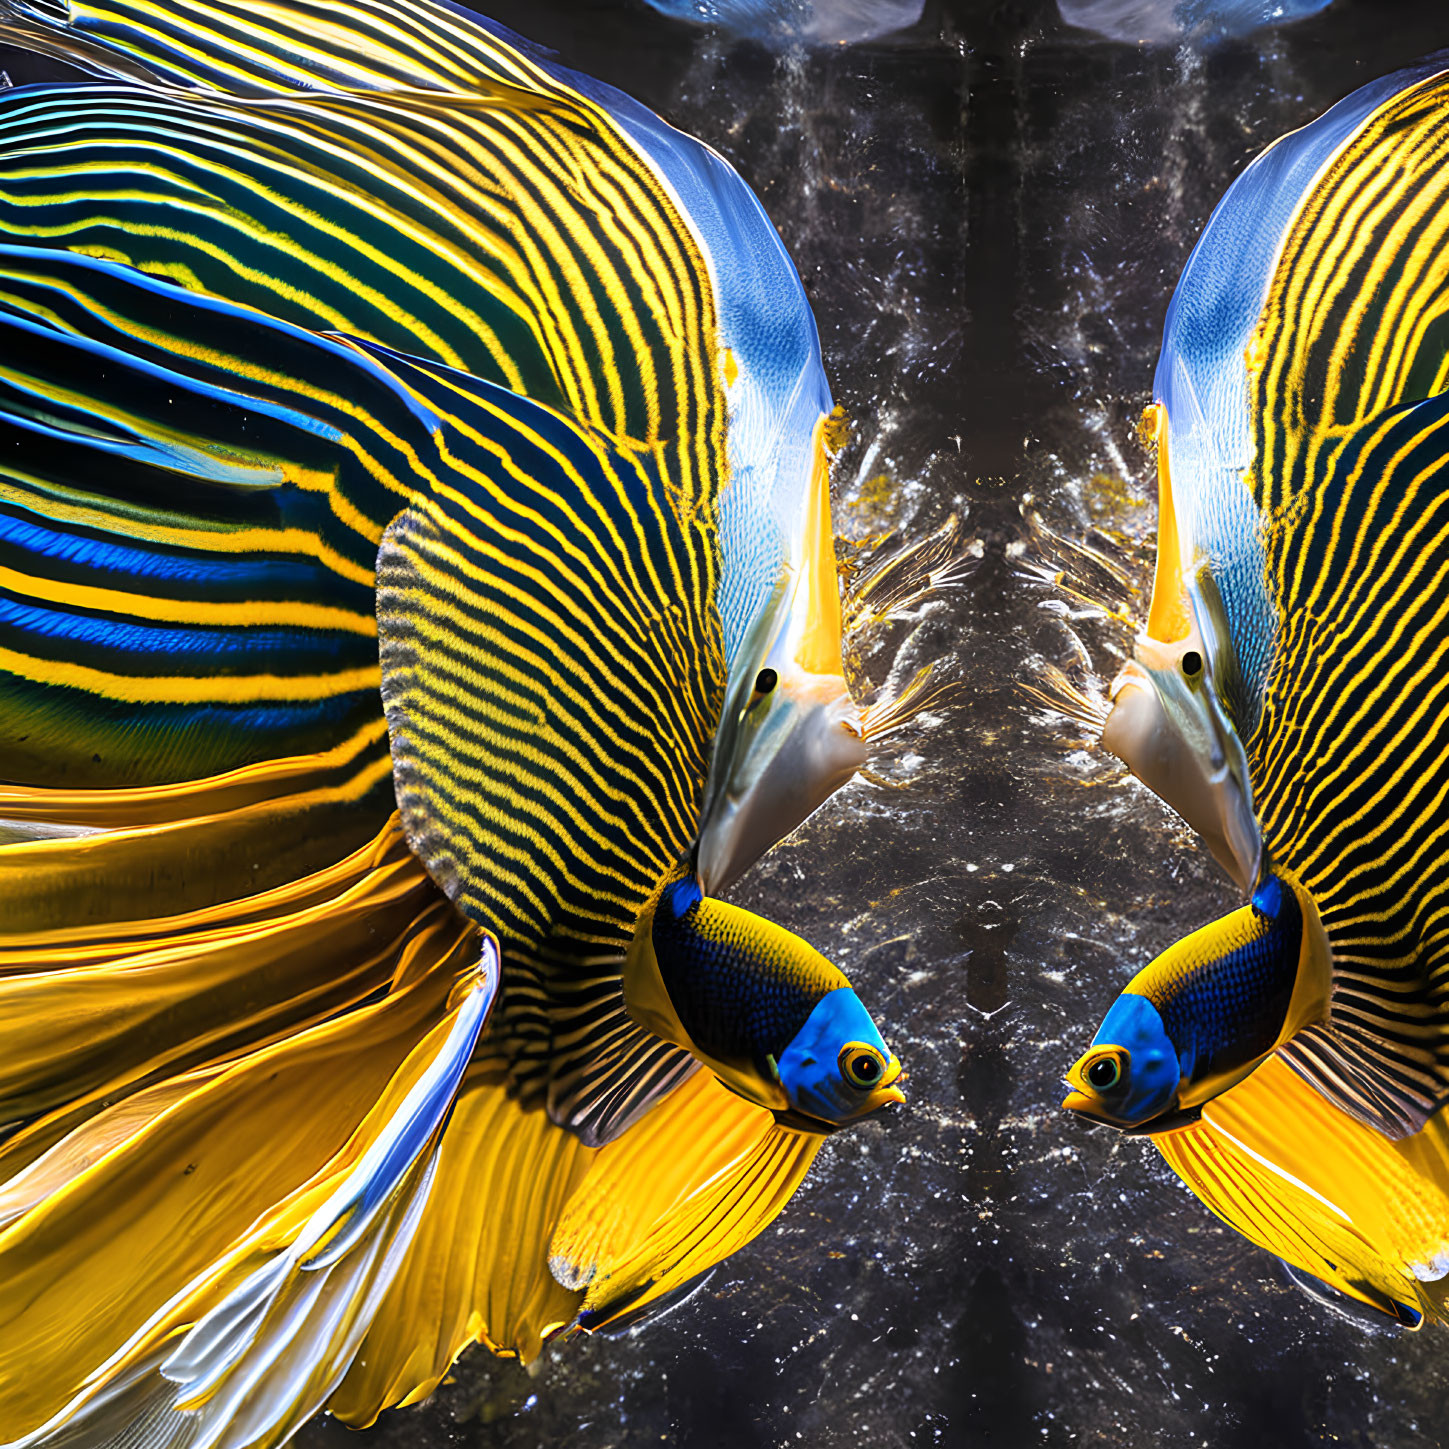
{"points": [[276, 651], [212, 575]]}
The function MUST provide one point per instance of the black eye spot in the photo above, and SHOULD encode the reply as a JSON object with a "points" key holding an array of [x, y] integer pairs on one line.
{"points": [[1192, 664], [861, 1066], [765, 681], [1104, 1073]]}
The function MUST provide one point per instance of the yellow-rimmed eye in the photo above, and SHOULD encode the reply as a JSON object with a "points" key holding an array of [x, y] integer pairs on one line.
{"points": [[861, 1065], [1192, 665], [1104, 1073], [765, 682]]}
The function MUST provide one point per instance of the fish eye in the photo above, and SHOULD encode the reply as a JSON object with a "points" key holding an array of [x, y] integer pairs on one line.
{"points": [[861, 1065], [1104, 1073], [1192, 664], [765, 681]]}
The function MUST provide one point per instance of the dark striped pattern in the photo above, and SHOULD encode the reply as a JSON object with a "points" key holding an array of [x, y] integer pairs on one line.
{"points": [[553, 674], [187, 533], [504, 226], [555, 670], [467, 206], [1351, 758]]}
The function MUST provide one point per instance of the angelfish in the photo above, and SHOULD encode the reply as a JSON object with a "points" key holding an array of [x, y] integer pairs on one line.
{"points": [[1288, 694], [1202, 1015], [772, 1018]]}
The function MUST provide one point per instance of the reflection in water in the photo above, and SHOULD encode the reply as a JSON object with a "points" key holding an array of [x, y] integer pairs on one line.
{"points": [[1163, 22], [816, 22]]}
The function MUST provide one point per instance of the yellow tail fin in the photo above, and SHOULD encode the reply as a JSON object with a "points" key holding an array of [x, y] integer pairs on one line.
{"points": [[477, 1270], [171, 1208], [656, 1211], [621, 1227], [1336, 1199]]}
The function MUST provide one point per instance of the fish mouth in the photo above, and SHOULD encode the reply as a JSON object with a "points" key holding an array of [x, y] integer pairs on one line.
{"points": [[888, 1090], [809, 744], [1081, 1103], [1085, 1106], [887, 1094]]}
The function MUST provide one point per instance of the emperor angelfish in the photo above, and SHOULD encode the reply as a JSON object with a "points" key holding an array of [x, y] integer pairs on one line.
{"points": [[350, 590], [1287, 698], [687, 332], [773, 1019], [689, 338]]}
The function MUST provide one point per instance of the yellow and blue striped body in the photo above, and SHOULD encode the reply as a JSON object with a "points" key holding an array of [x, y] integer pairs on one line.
{"points": [[418, 181], [1299, 420], [1300, 608]]}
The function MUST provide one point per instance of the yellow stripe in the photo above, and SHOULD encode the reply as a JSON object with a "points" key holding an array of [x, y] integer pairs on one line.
{"points": [[182, 689]]}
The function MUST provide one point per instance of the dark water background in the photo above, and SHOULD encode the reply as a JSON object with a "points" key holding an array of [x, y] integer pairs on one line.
{"points": [[989, 214]]}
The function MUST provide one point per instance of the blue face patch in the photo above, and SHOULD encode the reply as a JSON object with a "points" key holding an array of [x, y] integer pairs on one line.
{"points": [[810, 1068], [1154, 1071], [680, 898]]}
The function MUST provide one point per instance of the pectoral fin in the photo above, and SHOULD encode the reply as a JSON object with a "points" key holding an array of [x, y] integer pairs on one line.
{"points": [[667, 1202]]}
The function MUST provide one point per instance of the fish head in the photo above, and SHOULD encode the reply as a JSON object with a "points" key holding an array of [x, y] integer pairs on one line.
{"points": [[1169, 728], [1168, 724], [837, 1067], [790, 734], [774, 1021], [1130, 1074], [798, 740]]}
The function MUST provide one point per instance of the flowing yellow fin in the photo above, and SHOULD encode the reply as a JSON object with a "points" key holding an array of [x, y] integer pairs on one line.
{"points": [[100, 856], [1292, 1173], [82, 1023], [671, 1199], [157, 1229], [477, 1270]]}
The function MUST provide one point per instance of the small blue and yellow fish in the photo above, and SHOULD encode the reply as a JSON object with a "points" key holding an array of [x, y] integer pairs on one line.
{"points": [[1204, 1014], [804, 1046]]}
